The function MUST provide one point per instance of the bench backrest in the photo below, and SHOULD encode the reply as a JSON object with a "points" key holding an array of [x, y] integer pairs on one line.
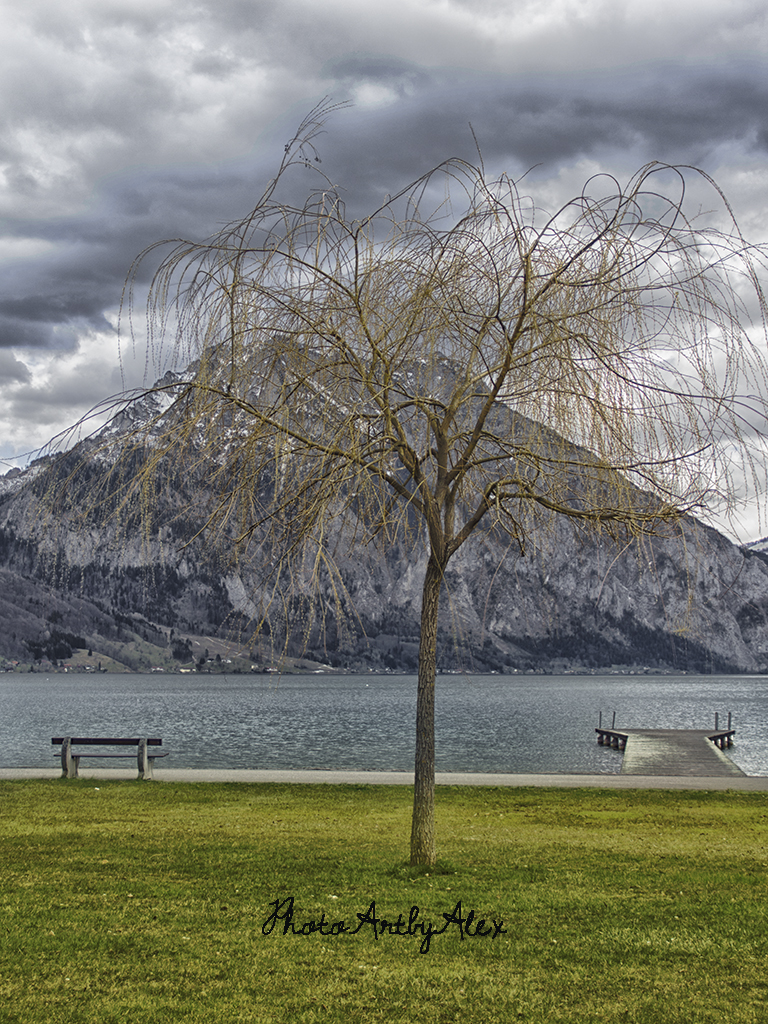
{"points": [[106, 741]]}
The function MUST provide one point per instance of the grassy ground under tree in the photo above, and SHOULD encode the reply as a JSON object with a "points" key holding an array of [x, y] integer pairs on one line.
{"points": [[122, 901]]}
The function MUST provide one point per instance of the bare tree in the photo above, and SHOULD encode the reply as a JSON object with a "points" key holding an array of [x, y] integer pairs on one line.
{"points": [[457, 361]]}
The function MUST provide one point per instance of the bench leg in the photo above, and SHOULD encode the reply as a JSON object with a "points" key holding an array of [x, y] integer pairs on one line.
{"points": [[69, 761], [145, 763]]}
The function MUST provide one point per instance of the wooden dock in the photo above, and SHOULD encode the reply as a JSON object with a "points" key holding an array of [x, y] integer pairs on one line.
{"points": [[693, 752]]}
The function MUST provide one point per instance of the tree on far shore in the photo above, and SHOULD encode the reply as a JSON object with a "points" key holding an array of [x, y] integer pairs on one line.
{"points": [[457, 362]]}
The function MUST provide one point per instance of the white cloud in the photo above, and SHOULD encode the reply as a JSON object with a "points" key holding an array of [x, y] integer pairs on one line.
{"points": [[45, 394], [13, 370]]}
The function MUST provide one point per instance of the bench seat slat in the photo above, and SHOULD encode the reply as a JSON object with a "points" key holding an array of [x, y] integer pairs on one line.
{"points": [[95, 753]]}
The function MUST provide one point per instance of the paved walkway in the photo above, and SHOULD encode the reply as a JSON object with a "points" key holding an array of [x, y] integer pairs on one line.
{"points": [[623, 781]]}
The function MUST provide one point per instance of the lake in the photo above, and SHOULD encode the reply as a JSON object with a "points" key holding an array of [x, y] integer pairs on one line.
{"points": [[519, 724]]}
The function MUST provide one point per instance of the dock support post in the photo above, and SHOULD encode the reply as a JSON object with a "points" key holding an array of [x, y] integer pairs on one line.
{"points": [[717, 722], [613, 723]]}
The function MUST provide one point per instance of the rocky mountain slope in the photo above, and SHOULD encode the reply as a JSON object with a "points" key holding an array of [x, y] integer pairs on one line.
{"points": [[689, 600]]}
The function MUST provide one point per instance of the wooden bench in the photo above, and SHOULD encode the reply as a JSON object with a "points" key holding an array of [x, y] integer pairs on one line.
{"points": [[70, 760]]}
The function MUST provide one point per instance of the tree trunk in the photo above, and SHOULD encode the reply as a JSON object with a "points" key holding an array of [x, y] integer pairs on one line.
{"points": [[423, 827]]}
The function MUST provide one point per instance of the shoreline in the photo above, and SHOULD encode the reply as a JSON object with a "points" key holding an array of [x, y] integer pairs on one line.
{"points": [[748, 783]]}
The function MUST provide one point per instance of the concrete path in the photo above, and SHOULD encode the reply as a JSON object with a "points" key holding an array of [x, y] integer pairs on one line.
{"points": [[686, 752], [624, 781]]}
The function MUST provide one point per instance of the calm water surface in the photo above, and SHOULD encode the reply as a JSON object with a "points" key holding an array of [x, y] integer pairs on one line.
{"points": [[483, 723]]}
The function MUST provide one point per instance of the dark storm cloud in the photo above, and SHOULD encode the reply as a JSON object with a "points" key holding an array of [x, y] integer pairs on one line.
{"points": [[664, 112], [667, 113], [82, 273], [129, 122]]}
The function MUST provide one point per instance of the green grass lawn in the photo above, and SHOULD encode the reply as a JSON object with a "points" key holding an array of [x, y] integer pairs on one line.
{"points": [[124, 901]]}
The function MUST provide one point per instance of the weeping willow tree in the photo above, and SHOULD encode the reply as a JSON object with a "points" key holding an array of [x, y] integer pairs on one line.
{"points": [[456, 362]]}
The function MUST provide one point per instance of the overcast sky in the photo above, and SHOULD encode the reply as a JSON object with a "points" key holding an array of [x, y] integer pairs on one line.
{"points": [[128, 121]]}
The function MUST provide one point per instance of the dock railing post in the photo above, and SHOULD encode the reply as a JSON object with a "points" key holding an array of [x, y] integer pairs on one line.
{"points": [[729, 721]]}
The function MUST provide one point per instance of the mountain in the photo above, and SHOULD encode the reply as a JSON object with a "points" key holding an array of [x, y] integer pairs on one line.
{"points": [[77, 587]]}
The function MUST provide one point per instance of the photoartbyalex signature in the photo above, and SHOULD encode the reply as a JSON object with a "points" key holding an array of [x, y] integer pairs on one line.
{"points": [[469, 926]]}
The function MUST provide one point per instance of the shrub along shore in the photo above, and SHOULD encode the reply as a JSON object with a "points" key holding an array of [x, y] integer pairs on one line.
{"points": [[261, 903]]}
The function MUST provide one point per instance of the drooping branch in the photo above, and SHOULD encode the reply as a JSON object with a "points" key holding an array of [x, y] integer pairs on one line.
{"points": [[435, 373]]}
